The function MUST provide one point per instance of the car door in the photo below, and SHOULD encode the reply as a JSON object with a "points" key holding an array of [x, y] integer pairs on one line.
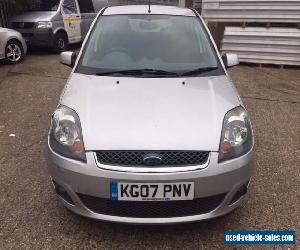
{"points": [[72, 20], [88, 14]]}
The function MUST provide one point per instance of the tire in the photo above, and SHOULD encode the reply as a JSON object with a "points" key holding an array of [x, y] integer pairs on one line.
{"points": [[60, 43], [14, 52]]}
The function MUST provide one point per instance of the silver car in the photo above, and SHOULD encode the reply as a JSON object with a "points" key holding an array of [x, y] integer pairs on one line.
{"points": [[149, 127], [12, 46]]}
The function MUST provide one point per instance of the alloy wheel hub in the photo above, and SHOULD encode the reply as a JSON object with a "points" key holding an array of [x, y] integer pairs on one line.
{"points": [[14, 52]]}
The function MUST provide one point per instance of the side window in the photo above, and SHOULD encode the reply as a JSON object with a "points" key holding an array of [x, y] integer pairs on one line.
{"points": [[86, 6], [69, 7]]}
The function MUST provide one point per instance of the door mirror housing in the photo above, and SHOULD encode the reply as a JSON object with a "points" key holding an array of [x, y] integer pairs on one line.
{"points": [[68, 58], [230, 60]]}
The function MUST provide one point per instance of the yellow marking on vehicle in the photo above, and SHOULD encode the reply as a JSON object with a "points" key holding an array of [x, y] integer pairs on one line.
{"points": [[72, 20]]}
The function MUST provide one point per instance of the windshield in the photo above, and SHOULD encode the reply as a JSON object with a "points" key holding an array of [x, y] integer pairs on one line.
{"points": [[43, 5], [159, 44]]}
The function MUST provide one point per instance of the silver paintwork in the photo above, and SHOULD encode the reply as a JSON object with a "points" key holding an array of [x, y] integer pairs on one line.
{"points": [[147, 109], [143, 9], [5, 36], [154, 2], [263, 45], [35, 16], [231, 60], [287, 11], [66, 58], [145, 114], [89, 179]]}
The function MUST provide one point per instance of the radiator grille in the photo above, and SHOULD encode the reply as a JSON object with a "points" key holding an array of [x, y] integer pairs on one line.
{"points": [[165, 158], [22, 25]]}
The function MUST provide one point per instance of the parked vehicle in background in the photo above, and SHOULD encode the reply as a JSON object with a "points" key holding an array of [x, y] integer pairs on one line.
{"points": [[56, 23], [12, 46]]}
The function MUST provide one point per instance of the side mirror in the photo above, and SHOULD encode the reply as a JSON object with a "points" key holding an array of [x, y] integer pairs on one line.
{"points": [[230, 60], [68, 58]]}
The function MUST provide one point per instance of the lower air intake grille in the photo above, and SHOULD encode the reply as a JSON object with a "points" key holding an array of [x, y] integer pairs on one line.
{"points": [[152, 209], [22, 25], [165, 158]]}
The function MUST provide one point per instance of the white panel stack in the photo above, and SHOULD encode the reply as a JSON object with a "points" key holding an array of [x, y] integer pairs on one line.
{"points": [[280, 11], [263, 45]]}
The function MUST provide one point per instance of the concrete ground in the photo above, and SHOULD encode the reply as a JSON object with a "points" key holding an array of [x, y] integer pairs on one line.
{"points": [[32, 217]]}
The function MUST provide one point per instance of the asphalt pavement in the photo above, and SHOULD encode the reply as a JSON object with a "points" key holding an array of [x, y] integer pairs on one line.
{"points": [[32, 217]]}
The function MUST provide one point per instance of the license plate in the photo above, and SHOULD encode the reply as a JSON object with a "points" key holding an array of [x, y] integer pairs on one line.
{"points": [[151, 191]]}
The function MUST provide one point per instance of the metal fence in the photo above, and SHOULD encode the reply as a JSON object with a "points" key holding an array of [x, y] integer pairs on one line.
{"points": [[263, 45], [11, 7], [287, 11], [5, 8]]}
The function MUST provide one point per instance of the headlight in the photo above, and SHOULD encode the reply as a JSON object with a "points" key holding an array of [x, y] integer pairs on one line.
{"points": [[65, 135], [44, 25], [236, 138]]}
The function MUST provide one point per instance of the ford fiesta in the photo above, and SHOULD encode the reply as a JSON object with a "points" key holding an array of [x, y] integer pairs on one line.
{"points": [[149, 127]]}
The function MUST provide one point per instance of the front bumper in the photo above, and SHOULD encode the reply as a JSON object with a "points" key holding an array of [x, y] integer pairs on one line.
{"points": [[79, 179], [38, 37]]}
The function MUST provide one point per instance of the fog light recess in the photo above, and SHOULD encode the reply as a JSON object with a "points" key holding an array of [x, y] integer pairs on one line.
{"points": [[241, 192], [62, 193]]}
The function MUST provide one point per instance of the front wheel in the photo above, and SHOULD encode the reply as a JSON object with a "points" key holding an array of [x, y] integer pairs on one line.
{"points": [[60, 42], [14, 52]]}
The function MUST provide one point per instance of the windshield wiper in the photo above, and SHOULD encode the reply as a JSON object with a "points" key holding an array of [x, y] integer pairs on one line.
{"points": [[138, 72], [198, 71]]}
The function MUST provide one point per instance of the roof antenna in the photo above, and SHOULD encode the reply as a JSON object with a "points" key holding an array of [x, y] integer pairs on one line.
{"points": [[149, 10]]}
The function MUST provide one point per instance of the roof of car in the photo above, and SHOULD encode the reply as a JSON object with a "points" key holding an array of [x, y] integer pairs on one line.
{"points": [[143, 9]]}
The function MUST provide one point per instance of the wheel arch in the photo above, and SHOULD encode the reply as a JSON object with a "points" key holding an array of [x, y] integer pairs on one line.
{"points": [[60, 30], [11, 39]]}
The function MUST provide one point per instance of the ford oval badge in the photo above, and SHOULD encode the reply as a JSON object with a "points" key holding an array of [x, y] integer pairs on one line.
{"points": [[152, 160]]}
